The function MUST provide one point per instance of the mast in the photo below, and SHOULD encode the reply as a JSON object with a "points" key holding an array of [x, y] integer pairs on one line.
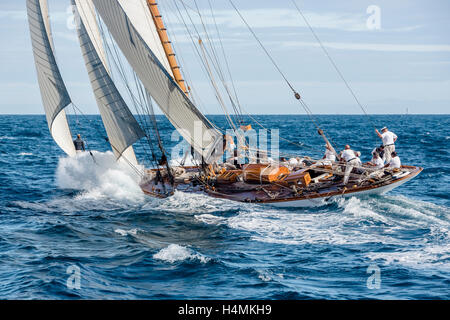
{"points": [[158, 81], [167, 44]]}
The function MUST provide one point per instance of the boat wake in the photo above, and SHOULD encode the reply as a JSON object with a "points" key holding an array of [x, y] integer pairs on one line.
{"points": [[376, 222]]}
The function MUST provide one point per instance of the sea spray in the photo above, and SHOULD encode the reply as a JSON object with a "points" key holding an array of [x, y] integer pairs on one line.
{"points": [[99, 175]]}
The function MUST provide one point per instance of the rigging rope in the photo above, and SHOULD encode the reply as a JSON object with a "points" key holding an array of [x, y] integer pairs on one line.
{"points": [[225, 58], [296, 94], [135, 169], [217, 65], [333, 63], [199, 54]]}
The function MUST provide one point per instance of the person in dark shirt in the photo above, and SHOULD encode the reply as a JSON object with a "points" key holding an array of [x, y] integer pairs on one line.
{"points": [[79, 144]]}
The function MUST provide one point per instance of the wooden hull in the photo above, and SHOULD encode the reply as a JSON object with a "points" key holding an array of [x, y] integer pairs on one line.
{"points": [[320, 201], [280, 196]]}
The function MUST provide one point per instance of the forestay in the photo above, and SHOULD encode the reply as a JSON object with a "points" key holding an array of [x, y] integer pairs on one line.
{"points": [[122, 128], [180, 111], [53, 90]]}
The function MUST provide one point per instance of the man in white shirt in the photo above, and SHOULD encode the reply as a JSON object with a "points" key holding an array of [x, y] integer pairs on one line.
{"points": [[377, 161], [329, 154], [395, 161], [358, 159], [351, 160], [329, 157], [389, 139]]}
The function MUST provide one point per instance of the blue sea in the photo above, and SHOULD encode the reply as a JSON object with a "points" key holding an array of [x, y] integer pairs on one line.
{"points": [[79, 229]]}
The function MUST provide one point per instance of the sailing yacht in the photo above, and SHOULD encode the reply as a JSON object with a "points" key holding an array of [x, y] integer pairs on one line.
{"points": [[137, 30]]}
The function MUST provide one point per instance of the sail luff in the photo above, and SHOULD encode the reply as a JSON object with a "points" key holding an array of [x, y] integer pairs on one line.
{"points": [[138, 13], [121, 127], [53, 90], [157, 80]]}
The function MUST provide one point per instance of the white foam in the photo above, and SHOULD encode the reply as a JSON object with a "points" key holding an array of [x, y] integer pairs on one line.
{"points": [[419, 212], [194, 203], [360, 209], [124, 233], [104, 178], [7, 138], [426, 257], [288, 228], [25, 154], [355, 221], [174, 253], [211, 219], [264, 276]]}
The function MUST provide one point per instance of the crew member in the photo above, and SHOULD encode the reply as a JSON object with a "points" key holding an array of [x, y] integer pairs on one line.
{"points": [[376, 161], [79, 144], [380, 151], [350, 158], [329, 154], [395, 161], [389, 139], [328, 158]]}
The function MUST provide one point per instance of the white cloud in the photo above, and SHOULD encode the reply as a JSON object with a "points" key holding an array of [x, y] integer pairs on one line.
{"points": [[55, 16], [273, 18], [276, 18], [13, 14], [373, 46]]}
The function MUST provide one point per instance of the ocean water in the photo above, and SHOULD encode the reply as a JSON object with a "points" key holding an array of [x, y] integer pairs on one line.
{"points": [[64, 220]]}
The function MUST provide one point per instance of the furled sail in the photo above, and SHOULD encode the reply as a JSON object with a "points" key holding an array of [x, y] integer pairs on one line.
{"points": [[180, 111], [122, 128], [53, 90]]}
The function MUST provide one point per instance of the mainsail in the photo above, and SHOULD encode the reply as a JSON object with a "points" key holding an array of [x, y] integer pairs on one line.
{"points": [[122, 128], [177, 107], [53, 90]]}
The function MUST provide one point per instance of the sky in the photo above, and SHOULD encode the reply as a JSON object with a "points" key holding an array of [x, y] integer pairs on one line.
{"points": [[395, 55]]}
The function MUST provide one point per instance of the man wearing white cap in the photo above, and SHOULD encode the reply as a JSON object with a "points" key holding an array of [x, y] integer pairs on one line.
{"points": [[351, 160], [389, 139]]}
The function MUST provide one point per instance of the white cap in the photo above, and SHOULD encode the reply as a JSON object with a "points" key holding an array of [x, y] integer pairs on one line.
{"points": [[383, 128]]}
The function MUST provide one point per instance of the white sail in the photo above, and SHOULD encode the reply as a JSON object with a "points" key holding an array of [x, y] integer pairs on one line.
{"points": [[122, 128], [53, 90], [177, 107], [141, 18]]}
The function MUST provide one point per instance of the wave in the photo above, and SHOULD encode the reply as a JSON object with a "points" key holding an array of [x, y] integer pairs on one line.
{"points": [[428, 257], [347, 221], [176, 253], [195, 203], [98, 177], [124, 233]]}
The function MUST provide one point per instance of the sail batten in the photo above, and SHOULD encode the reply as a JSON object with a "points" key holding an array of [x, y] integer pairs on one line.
{"points": [[53, 90], [121, 127], [158, 80]]}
